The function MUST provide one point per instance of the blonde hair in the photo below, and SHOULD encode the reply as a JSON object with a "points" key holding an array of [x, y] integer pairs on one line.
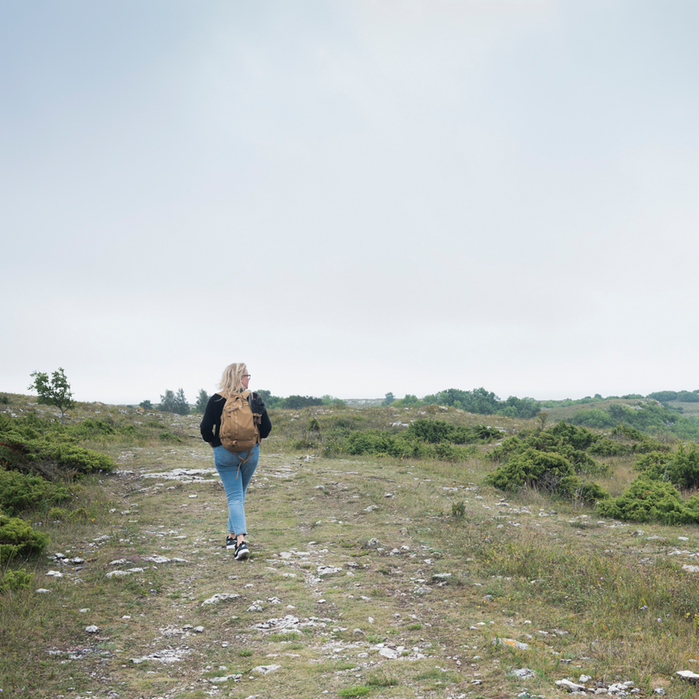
{"points": [[231, 379]]}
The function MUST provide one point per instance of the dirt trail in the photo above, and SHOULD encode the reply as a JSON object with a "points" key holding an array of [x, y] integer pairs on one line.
{"points": [[348, 586]]}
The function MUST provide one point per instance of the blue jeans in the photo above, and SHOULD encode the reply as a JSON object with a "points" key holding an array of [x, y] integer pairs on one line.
{"points": [[235, 478]]}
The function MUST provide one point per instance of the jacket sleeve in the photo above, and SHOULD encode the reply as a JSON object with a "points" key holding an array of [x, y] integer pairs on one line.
{"points": [[265, 425], [211, 421]]}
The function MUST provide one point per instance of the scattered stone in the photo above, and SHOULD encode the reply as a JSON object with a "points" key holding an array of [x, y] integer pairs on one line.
{"points": [[118, 574], [157, 559], [688, 675], [265, 669], [77, 561], [184, 475], [619, 687], [42, 591], [54, 574], [124, 573], [524, 673], [327, 570], [118, 562], [221, 680], [371, 508], [169, 655], [690, 569], [92, 629], [571, 686], [373, 543], [221, 597], [198, 629]]}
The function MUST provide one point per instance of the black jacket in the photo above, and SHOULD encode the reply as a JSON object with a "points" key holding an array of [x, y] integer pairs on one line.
{"points": [[211, 422]]}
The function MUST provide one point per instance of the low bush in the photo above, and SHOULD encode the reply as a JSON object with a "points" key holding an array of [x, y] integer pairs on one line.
{"points": [[553, 460], [680, 468], [547, 471], [401, 446], [32, 445], [15, 580], [647, 500], [436, 431], [20, 491], [17, 538]]}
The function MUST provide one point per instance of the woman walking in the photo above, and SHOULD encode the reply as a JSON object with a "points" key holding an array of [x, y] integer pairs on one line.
{"points": [[235, 467]]}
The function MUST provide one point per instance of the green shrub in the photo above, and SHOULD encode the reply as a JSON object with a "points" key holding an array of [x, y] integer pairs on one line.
{"points": [[169, 437], [14, 580], [19, 491], [552, 460], [593, 417], [17, 538], [647, 500], [33, 445], [92, 428], [358, 691], [533, 468], [682, 470], [438, 431], [652, 460], [57, 514], [563, 439], [79, 515]]}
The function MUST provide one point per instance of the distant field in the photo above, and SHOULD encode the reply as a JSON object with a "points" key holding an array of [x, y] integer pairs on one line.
{"points": [[688, 409]]}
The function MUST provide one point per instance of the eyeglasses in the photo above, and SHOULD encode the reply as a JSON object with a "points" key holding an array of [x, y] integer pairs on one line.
{"points": [[246, 376]]}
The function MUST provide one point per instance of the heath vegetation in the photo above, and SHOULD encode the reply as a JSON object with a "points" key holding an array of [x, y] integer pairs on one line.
{"points": [[398, 550]]}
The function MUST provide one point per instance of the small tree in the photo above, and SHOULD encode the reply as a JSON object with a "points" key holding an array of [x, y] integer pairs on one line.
{"points": [[174, 403], [388, 399], [202, 401], [55, 391], [146, 405]]}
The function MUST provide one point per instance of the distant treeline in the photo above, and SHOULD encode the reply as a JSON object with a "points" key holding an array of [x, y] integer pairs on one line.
{"points": [[663, 397], [296, 402]]}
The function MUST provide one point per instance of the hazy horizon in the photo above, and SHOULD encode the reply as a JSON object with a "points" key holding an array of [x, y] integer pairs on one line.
{"points": [[354, 198]]}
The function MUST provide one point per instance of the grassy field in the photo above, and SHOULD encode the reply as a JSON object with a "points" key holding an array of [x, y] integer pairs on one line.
{"points": [[375, 577]]}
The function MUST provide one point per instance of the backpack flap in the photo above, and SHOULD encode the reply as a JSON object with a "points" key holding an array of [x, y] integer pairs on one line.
{"points": [[239, 431]]}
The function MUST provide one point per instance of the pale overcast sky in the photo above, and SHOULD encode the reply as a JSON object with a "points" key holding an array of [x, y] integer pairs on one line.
{"points": [[352, 196]]}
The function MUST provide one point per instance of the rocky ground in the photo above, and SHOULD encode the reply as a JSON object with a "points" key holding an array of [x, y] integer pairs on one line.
{"points": [[355, 587]]}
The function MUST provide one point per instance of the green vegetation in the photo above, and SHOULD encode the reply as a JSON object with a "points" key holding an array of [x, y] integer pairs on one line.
{"points": [[490, 562], [18, 538], [681, 468], [424, 439], [553, 460], [34, 445], [483, 402], [648, 500], [174, 403], [15, 580], [54, 391], [202, 401]]}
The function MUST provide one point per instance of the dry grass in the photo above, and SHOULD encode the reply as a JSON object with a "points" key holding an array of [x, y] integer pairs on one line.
{"points": [[585, 596]]}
